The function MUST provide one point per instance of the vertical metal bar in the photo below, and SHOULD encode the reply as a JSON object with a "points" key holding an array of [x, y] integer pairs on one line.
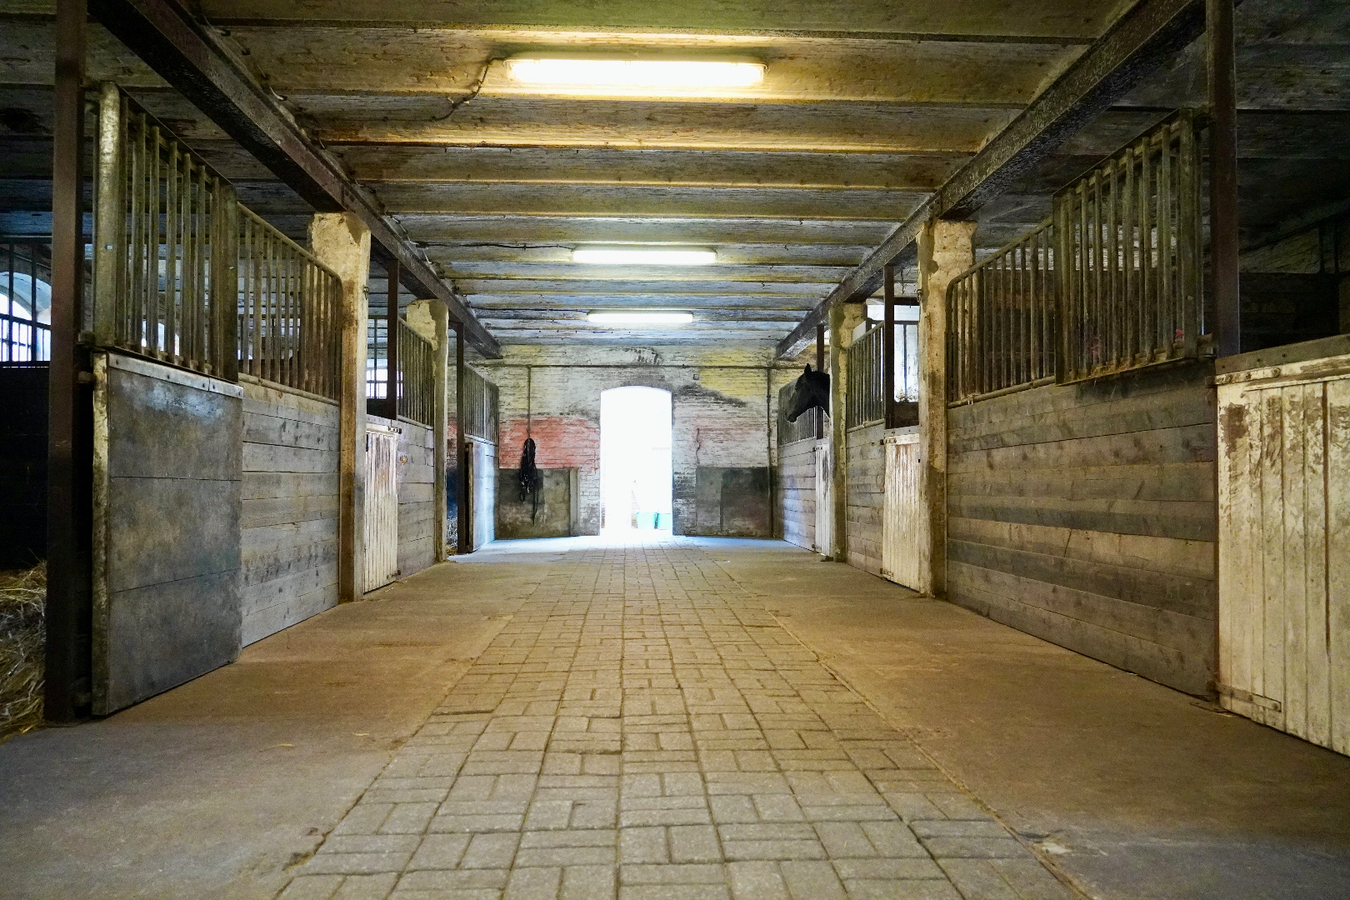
{"points": [[1223, 175], [225, 279], [1188, 240], [1130, 273], [1037, 289], [1147, 284], [1163, 323], [109, 214], [68, 471]]}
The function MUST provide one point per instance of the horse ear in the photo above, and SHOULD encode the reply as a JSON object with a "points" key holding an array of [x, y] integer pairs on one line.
{"points": [[808, 368]]}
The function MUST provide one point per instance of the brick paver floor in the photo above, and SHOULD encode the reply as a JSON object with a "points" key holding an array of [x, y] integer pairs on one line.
{"points": [[643, 730]]}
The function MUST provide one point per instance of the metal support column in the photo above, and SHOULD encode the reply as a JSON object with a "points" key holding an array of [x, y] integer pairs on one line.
{"points": [[1223, 176], [462, 485], [391, 355], [68, 462], [820, 367], [888, 348]]}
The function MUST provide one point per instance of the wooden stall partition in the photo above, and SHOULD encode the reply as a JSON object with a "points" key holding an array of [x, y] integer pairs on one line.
{"points": [[1084, 514], [904, 542], [1284, 541], [381, 520], [824, 460]]}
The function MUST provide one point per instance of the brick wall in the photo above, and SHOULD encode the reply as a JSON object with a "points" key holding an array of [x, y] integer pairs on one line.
{"points": [[724, 406]]}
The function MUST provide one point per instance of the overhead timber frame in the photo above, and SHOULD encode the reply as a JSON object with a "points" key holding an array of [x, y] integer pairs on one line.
{"points": [[171, 42], [1145, 37]]}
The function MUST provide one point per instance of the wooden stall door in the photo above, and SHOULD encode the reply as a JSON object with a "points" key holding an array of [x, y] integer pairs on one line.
{"points": [[381, 506], [1284, 548], [824, 498], [904, 546]]}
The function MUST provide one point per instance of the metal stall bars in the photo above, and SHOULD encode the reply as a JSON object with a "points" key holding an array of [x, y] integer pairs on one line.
{"points": [[480, 414], [801, 430], [865, 396], [289, 309], [165, 245], [25, 281], [1002, 321], [1129, 236], [416, 364]]}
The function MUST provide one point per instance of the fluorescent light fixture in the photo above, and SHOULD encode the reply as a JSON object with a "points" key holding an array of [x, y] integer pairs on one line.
{"points": [[642, 256], [640, 317], [634, 74]]}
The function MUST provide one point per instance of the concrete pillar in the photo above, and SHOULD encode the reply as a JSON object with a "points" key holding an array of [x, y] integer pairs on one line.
{"points": [[944, 252], [342, 243], [843, 319], [431, 320]]}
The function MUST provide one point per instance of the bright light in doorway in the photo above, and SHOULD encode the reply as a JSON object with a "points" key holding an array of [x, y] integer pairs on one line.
{"points": [[640, 317], [642, 256], [634, 75]]}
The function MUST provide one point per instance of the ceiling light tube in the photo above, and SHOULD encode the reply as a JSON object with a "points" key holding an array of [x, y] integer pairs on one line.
{"points": [[640, 317], [643, 256], [634, 74]]}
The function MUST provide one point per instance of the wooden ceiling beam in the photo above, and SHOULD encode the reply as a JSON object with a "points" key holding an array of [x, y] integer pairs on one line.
{"points": [[167, 38], [1140, 42]]}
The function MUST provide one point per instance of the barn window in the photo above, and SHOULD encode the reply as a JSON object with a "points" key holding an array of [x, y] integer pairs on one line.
{"points": [[25, 304]]}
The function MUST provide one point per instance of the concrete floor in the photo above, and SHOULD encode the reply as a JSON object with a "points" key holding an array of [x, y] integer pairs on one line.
{"points": [[231, 786]]}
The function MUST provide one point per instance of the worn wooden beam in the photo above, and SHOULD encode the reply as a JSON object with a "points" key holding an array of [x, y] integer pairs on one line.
{"points": [[1131, 49], [1223, 175], [67, 665], [169, 40]]}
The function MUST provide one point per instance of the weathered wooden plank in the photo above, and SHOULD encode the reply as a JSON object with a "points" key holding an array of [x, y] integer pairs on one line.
{"points": [[285, 589], [1176, 481], [262, 565], [1166, 665], [1049, 400], [269, 400], [279, 537], [1294, 552], [260, 485], [1233, 595], [1338, 559], [1161, 447], [1187, 596], [1169, 556], [287, 432], [273, 458], [271, 511], [1315, 565], [1183, 520], [1272, 549], [1176, 409]]}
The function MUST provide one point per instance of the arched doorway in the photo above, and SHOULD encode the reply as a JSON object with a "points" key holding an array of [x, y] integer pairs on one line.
{"points": [[635, 467]]}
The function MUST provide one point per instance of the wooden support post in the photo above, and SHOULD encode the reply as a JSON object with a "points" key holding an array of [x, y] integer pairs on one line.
{"points": [[391, 341], [820, 367], [1223, 175], [441, 424], [69, 464], [462, 485], [342, 242], [944, 252], [843, 319], [888, 347]]}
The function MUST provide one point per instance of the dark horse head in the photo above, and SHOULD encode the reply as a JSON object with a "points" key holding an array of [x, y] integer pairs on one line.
{"points": [[811, 390]]}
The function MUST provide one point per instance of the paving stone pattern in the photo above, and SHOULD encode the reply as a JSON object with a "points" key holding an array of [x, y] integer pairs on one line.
{"points": [[643, 730]]}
